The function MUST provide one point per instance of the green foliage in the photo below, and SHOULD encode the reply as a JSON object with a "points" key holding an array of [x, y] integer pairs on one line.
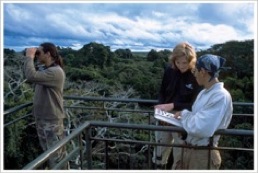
{"points": [[238, 93], [131, 68], [14, 155], [124, 53], [87, 74], [152, 55], [94, 54], [69, 60], [244, 125]]}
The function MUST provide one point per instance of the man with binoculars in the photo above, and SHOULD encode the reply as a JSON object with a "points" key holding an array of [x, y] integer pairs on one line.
{"points": [[48, 98]]}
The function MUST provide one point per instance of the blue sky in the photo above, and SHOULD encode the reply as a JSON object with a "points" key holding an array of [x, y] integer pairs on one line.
{"points": [[137, 26]]}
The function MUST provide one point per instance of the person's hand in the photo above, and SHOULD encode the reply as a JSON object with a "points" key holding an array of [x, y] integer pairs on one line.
{"points": [[177, 115], [30, 52], [165, 107]]}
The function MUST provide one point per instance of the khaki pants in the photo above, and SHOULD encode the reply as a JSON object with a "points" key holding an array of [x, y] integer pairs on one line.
{"points": [[49, 133], [161, 153], [197, 159]]}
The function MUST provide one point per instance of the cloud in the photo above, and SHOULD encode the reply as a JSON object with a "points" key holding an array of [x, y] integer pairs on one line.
{"points": [[139, 26], [207, 33]]}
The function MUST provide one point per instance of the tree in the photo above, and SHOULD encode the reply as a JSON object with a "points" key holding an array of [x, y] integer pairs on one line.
{"points": [[95, 54], [152, 55], [124, 53]]}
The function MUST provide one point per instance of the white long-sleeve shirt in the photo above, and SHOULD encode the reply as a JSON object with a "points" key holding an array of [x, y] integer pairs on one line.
{"points": [[211, 111]]}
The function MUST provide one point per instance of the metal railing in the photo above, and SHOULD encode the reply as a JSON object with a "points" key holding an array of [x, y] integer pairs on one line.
{"points": [[86, 128], [90, 150]]}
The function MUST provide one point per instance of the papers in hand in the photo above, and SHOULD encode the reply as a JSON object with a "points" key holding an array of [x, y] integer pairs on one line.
{"points": [[167, 117]]}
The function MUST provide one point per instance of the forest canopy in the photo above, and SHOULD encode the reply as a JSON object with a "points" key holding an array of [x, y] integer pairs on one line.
{"points": [[124, 71]]}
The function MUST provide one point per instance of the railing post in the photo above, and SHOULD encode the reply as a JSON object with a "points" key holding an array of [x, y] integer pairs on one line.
{"points": [[81, 148], [88, 147], [106, 155], [149, 147]]}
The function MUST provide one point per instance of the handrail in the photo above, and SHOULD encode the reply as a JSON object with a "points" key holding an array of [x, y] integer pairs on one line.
{"points": [[133, 100], [43, 157], [106, 99], [17, 108], [109, 99], [239, 132]]}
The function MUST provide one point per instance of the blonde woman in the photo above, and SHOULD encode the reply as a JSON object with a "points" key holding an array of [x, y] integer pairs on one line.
{"points": [[178, 91]]}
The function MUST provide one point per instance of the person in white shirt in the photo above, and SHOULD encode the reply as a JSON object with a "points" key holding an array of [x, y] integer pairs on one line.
{"points": [[212, 110]]}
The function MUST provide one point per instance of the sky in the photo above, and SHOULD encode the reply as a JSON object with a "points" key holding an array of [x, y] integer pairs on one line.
{"points": [[139, 26]]}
